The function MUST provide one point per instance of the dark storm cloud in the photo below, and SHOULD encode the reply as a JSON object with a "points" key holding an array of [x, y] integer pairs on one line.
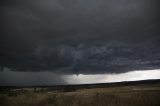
{"points": [[79, 36], [98, 57]]}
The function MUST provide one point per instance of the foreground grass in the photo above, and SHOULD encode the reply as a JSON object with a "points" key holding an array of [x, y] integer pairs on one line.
{"points": [[118, 96]]}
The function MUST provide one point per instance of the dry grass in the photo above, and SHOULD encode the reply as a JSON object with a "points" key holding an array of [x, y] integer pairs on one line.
{"points": [[116, 96]]}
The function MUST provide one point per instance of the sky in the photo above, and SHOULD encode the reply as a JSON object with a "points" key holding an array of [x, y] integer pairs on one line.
{"points": [[78, 38]]}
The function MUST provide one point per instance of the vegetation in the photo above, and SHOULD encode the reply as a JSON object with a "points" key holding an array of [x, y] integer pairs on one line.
{"points": [[137, 95]]}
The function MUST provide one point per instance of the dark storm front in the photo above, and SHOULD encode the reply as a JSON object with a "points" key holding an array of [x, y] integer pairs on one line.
{"points": [[79, 52], [79, 36]]}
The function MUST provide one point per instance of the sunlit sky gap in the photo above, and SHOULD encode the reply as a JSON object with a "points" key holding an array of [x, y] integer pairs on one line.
{"points": [[103, 78]]}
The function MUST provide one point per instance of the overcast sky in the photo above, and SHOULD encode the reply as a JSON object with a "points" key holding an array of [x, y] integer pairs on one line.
{"points": [[69, 37]]}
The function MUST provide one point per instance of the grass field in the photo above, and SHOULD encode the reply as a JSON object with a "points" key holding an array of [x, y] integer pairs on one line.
{"points": [[140, 95]]}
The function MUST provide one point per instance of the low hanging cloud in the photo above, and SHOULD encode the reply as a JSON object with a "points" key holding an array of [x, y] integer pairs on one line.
{"points": [[113, 57], [79, 36], [89, 58]]}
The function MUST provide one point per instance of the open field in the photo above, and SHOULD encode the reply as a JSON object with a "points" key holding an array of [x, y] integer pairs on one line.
{"points": [[129, 95]]}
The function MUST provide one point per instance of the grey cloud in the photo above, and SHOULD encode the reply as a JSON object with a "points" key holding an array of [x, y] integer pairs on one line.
{"points": [[79, 36], [89, 58]]}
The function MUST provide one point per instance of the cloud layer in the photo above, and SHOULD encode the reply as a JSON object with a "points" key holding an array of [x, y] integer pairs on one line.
{"points": [[79, 36]]}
